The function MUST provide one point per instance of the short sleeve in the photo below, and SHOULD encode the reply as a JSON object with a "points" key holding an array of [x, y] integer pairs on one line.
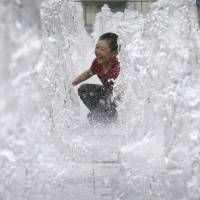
{"points": [[94, 67]]}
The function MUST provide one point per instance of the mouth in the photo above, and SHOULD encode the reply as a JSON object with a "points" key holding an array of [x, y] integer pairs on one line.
{"points": [[99, 58]]}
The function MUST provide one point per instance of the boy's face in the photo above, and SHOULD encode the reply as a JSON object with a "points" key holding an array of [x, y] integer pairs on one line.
{"points": [[103, 53]]}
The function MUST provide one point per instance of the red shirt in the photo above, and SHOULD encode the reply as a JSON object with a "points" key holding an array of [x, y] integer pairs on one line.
{"points": [[108, 78]]}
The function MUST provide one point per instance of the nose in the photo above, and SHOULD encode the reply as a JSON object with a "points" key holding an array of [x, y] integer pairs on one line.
{"points": [[96, 52]]}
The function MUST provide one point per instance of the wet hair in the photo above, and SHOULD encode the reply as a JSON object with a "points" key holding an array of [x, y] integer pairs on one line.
{"points": [[112, 40]]}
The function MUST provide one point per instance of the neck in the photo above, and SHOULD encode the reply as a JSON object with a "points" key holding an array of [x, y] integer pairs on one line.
{"points": [[109, 64]]}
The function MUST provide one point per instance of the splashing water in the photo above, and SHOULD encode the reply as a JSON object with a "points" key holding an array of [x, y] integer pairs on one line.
{"points": [[47, 148]]}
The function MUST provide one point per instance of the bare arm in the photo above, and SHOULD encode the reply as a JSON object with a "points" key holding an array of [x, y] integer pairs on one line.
{"points": [[82, 77]]}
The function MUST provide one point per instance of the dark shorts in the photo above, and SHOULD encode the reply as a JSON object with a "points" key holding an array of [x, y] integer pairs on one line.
{"points": [[99, 101]]}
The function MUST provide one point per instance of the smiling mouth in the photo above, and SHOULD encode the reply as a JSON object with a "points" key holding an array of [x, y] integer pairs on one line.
{"points": [[99, 57]]}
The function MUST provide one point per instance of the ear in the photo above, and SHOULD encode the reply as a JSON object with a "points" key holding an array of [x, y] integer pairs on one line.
{"points": [[115, 53]]}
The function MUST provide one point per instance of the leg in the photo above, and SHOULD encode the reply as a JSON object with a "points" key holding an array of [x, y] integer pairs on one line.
{"points": [[90, 94], [104, 112], [104, 115]]}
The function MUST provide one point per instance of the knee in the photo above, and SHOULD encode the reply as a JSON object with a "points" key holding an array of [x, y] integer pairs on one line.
{"points": [[82, 90]]}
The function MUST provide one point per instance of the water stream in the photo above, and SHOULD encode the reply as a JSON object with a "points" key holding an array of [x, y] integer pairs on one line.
{"points": [[48, 150]]}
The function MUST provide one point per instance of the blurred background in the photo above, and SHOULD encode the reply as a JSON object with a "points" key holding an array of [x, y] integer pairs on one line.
{"points": [[92, 7]]}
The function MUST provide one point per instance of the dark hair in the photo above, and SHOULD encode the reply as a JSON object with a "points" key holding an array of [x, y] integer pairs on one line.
{"points": [[112, 40]]}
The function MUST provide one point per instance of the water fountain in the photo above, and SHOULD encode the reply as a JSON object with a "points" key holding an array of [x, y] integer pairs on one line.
{"points": [[48, 150]]}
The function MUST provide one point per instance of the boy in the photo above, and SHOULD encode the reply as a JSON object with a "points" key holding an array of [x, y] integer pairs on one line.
{"points": [[98, 98]]}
